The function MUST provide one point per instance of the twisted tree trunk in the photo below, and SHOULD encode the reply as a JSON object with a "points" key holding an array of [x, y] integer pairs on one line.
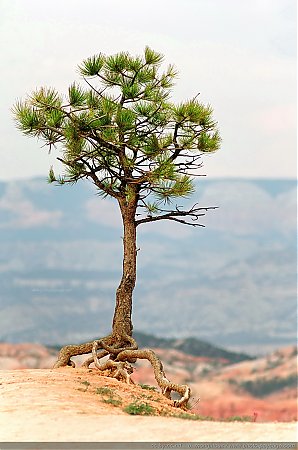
{"points": [[122, 323], [120, 338]]}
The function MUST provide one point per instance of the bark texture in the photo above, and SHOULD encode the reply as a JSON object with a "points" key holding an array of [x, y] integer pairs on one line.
{"points": [[122, 323]]}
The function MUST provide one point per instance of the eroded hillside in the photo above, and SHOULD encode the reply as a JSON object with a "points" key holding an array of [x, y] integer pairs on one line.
{"points": [[262, 389]]}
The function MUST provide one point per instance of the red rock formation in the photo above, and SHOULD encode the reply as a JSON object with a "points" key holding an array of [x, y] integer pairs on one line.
{"points": [[219, 385], [25, 356]]}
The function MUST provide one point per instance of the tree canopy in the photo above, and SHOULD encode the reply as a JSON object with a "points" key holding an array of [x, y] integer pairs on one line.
{"points": [[122, 130]]}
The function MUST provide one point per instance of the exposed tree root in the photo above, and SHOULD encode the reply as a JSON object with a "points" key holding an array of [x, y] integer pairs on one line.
{"points": [[165, 385], [74, 350], [90, 360], [120, 370], [119, 362]]}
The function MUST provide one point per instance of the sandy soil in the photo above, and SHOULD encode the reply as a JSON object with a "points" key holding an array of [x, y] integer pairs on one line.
{"points": [[79, 405]]}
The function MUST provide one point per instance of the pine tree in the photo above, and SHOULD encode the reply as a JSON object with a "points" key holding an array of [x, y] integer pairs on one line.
{"points": [[122, 132]]}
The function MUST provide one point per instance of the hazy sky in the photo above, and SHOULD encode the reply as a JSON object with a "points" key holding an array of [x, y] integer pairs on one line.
{"points": [[240, 55]]}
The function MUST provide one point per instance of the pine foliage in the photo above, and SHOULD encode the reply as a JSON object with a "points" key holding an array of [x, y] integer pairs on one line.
{"points": [[122, 130]]}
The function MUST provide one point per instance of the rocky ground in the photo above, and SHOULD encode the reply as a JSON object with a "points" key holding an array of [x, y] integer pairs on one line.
{"points": [[81, 405], [263, 389]]}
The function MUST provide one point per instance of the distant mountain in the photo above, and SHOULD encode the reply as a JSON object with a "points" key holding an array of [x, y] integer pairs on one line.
{"points": [[232, 283], [29, 355], [190, 346]]}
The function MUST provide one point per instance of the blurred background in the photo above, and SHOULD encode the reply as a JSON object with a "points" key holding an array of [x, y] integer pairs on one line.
{"points": [[229, 287]]}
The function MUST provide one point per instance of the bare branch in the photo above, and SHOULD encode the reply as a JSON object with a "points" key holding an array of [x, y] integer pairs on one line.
{"points": [[93, 88], [192, 215], [177, 147]]}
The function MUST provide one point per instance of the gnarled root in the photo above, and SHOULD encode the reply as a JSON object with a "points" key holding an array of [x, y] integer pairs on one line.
{"points": [[74, 350], [122, 352], [165, 385], [90, 360], [120, 370]]}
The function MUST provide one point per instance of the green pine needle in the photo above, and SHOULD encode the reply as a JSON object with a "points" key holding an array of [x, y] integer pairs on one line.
{"points": [[46, 97], [152, 57], [76, 95], [209, 142], [51, 177], [181, 187], [92, 66]]}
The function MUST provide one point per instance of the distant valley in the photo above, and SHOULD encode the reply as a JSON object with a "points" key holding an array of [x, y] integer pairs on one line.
{"points": [[232, 283]]}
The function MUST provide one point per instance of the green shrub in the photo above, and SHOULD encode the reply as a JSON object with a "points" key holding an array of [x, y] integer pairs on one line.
{"points": [[112, 401], [104, 391], [188, 416], [85, 383], [146, 386], [142, 409], [238, 419], [108, 396]]}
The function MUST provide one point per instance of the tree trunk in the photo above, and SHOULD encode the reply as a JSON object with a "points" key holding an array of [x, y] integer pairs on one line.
{"points": [[120, 345], [122, 323]]}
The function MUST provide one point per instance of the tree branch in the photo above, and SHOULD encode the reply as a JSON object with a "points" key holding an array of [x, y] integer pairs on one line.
{"points": [[193, 214], [104, 143], [92, 174]]}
